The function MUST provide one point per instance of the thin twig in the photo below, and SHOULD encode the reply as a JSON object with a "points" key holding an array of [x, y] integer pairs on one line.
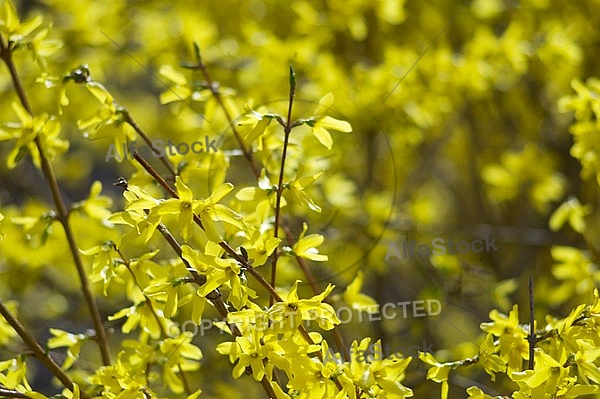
{"points": [[163, 158], [337, 336], [230, 251], [303, 266], [200, 279], [154, 174], [286, 132], [531, 337], [10, 393], [243, 262], [215, 298], [37, 350], [214, 89], [63, 214], [183, 377]]}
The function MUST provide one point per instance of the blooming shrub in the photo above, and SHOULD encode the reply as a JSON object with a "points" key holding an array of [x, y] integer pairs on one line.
{"points": [[336, 129]]}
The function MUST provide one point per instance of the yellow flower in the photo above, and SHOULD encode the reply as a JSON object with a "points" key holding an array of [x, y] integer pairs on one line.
{"points": [[265, 194], [250, 353], [571, 211], [25, 132], [293, 310], [305, 247], [95, 205], [26, 34], [207, 209], [134, 215], [219, 271], [321, 124], [353, 296], [513, 344]]}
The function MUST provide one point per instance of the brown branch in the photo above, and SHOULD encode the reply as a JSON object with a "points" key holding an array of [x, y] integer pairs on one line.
{"points": [[10, 393], [37, 350], [184, 380], [337, 336], [162, 182], [63, 214], [215, 298], [243, 262], [214, 90], [200, 279], [286, 138], [171, 240], [163, 158], [531, 337], [303, 266]]}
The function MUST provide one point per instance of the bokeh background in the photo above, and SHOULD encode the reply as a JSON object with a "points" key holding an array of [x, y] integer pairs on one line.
{"points": [[461, 115]]}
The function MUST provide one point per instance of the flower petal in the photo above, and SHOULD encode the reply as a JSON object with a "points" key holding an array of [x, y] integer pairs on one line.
{"points": [[334, 124], [323, 136]]}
